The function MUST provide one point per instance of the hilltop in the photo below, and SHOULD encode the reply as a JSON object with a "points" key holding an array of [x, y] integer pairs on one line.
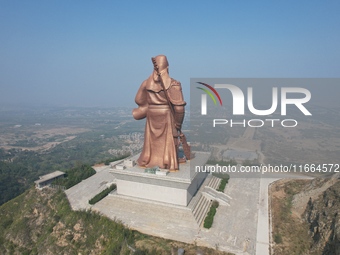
{"points": [[42, 222]]}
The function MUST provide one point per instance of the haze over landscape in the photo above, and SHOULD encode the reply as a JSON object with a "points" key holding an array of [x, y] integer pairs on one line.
{"points": [[69, 182], [61, 53]]}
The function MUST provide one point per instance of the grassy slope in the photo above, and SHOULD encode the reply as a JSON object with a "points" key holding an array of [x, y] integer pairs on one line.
{"points": [[290, 230], [42, 222]]}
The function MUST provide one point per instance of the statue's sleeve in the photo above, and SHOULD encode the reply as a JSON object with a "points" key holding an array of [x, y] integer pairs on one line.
{"points": [[175, 93], [141, 101], [176, 98]]}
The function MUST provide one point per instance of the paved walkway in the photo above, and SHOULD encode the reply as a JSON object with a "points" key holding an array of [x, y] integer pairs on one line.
{"points": [[80, 194], [234, 227], [152, 218], [263, 220], [263, 229]]}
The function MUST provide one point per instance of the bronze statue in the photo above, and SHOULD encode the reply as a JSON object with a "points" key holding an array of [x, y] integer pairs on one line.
{"points": [[160, 100]]}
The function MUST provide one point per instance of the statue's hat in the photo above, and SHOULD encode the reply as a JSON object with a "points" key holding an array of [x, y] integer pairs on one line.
{"points": [[161, 62]]}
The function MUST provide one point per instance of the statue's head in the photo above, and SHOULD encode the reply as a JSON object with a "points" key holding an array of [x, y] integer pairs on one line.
{"points": [[161, 62]]}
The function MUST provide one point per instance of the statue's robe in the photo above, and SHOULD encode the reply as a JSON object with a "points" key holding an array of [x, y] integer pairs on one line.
{"points": [[160, 133]]}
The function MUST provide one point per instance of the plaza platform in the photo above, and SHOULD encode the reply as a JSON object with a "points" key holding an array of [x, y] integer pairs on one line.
{"points": [[235, 223]]}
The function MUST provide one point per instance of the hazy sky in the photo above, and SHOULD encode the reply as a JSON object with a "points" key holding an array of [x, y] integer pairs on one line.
{"points": [[97, 53]]}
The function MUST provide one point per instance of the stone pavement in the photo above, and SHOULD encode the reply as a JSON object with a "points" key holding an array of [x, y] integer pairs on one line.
{"points": [[233, 230], [80, 194], [263, 221], [242, 227], [152, 218], [234, 227]]}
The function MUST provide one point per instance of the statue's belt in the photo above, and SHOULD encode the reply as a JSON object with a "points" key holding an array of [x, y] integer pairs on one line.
{"points": [[158, 106]]}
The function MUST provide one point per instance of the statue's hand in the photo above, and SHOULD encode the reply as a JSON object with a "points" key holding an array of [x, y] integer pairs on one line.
{"points": [[140, 112]]}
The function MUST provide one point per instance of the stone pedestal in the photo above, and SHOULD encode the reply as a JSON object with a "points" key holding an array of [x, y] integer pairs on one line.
{"points": [[176, 188]]}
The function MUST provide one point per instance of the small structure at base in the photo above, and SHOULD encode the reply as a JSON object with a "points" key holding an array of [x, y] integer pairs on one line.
{"points": [[156, 170], [129, 163], [120, 166], [47, 179], [123, 164]]}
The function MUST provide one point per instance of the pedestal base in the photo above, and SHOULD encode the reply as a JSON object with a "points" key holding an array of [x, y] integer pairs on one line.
{"points": [[176, 188]]}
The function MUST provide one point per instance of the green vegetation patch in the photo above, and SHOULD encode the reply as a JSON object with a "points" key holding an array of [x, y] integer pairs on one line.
{"points": [[75, 175], [102, 194], [208, 221], [231, 162], [118, 157], [225, 179], [223, 183]]}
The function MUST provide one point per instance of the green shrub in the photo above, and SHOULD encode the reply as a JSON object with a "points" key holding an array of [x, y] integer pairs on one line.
{"points": [[223, 183], [208, 221], [215, 204], [118, 157], [101, 195], [278, 238], [75, 175]]}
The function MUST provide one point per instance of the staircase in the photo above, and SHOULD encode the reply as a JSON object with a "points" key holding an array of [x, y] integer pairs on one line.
{"points": [[201, 209], [201, 202], [197, 196], [213, 194], [214, 182]]}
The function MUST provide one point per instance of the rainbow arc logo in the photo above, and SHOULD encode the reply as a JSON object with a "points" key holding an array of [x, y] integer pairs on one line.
{"points": [[204, 97]]}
